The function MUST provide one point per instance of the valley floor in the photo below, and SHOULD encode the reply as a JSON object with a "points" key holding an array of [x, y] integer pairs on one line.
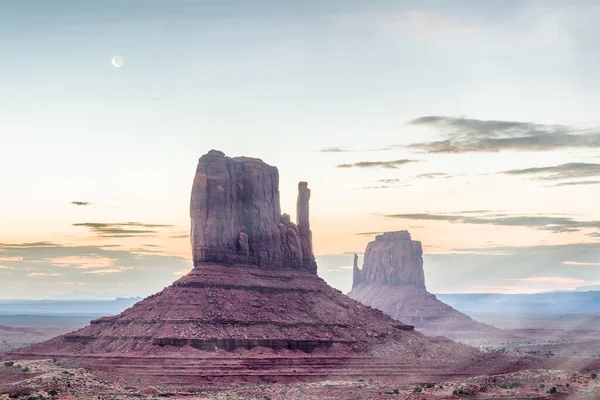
{"points": [[53, 379]]}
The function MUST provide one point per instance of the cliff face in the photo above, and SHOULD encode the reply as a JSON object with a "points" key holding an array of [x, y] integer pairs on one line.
{"points": [[392, 259], [236, 216]]}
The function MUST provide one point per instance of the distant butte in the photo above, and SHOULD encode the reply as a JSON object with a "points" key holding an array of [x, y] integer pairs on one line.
{"points": [[392, 280], [253, 308]]}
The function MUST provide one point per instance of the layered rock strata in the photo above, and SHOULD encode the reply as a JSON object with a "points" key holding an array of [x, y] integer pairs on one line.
{"points": [[392, 280]]}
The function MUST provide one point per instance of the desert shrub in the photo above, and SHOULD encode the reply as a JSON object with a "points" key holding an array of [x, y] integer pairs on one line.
{"points": [[53, 392], [25, 369], [567, 384], [417, 389], [465, 390], [17, 394], [396, 391], [552, 390], [594, 376], [429, 385], [9, 364]]}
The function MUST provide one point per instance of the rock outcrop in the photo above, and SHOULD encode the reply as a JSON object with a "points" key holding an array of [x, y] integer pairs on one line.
{"points": [[392, 280], [252, 308], [236, 216]]}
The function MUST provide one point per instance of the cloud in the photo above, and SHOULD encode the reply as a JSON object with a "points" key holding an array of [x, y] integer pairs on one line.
{"points": [[333, 150], [30, 244], [185, 236], [95, 266], [368, 233], [73, 283], [343, 150], [182, 272], [103, 271], [559, 172], [559, 280], [391, 183], [11, 258], [377, 164], [556, 224], [154, 98], [389, 180], [6, 267], [583, 264], [82, 262], [466, 135], [122, 229], [383, 187], [576, 183], [434, 175], [81, 203]]}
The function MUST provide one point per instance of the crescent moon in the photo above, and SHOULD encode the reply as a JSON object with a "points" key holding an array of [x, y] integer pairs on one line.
{"points": [[118, 61]]}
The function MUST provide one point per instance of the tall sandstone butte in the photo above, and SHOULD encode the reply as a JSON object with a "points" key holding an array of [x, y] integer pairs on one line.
{"points": [[392, 280], [236, 216], [392, 259], [253, 307]]}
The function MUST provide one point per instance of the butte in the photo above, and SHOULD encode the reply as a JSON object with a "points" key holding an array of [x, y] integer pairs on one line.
{"points": [[392, 280], [253, 308]]}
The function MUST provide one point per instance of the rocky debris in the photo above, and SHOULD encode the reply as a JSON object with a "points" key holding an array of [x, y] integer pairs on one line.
{"points": [[236, 216], [392, 259], [392, 280]]}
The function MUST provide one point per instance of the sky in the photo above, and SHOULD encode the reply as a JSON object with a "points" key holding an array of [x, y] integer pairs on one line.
{"points": [[474, 125]]}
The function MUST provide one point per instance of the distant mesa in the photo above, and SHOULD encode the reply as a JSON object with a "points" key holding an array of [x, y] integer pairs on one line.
{"points": [[392, 280], [253, 308]]}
